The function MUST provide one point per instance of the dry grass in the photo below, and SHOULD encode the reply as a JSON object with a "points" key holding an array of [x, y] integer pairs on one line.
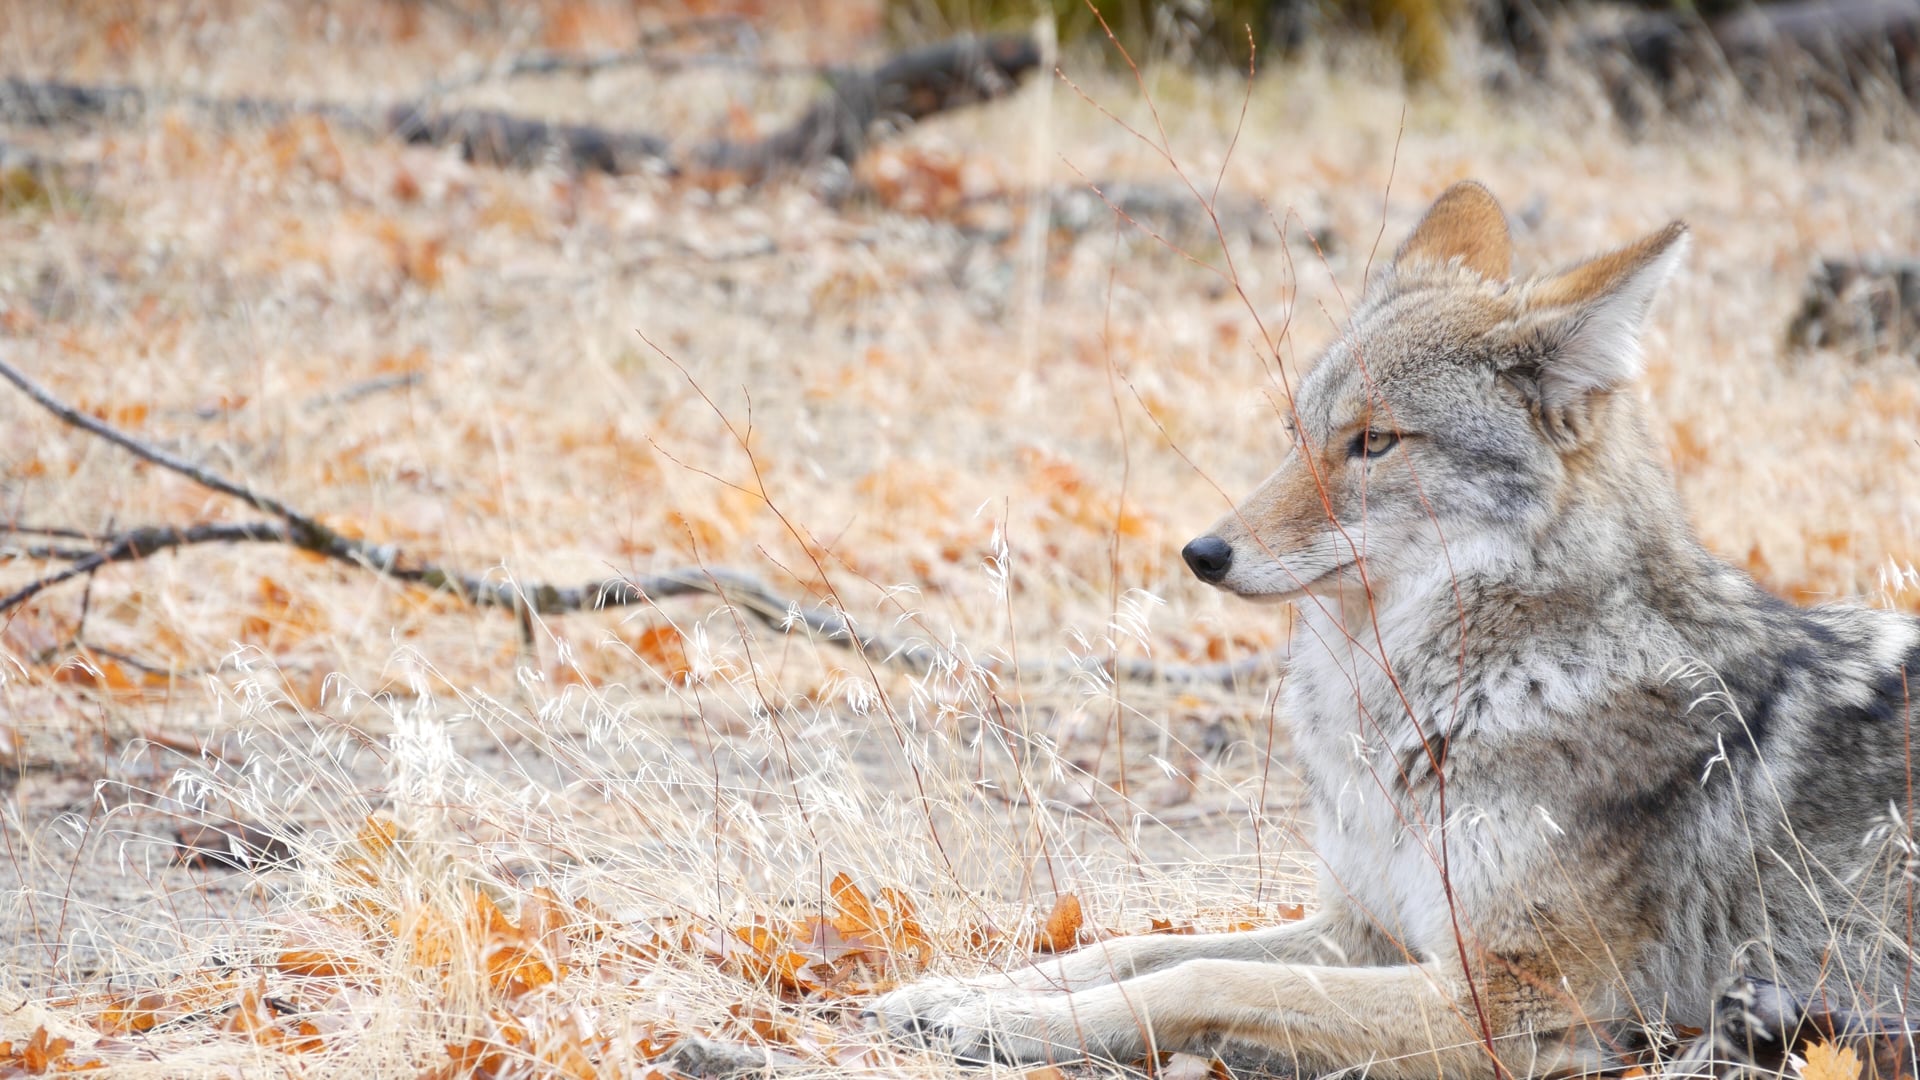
{"points": [[991, 438]]}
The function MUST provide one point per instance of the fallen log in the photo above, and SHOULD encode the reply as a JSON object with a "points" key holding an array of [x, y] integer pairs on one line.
{"points": [[911, 86], [1860, 307], [1821, 57], [908, 87]]}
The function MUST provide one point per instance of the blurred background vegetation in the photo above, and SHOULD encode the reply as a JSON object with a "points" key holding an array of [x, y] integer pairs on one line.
{"points": [[1213, 32]]}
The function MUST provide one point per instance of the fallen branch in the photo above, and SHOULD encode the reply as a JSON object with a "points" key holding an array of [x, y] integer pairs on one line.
{"points": [[1860, 306], [911, 86], [133, 545], [1818, 56], [908, 87], [742, 591]]}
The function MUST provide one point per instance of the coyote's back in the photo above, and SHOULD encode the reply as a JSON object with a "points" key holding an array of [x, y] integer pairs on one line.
{"points": [[1567, 769]]}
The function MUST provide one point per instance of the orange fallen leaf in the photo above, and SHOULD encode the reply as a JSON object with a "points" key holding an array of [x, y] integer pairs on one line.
{"points": [[665, 649], [306, 1038], [128, 1015], [904, 928], [41, 1052], [770, 960], [252, 1017], [889, 925], [654, 1044], [982, 934], [762, 1022], [379, 835], [316, 964], [99, 673], [1830, 1061], [476, 1057], [516, 970], [489, 920], [428, 936], [565, 1056], [1062, 931]]}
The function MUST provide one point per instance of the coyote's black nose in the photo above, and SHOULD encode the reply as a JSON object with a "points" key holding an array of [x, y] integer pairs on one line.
{"points": [[1209, 557]]}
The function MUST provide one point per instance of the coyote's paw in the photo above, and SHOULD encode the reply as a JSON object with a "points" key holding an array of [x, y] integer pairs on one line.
{"points": [[982, 1025], [925, 1012], [1750, 1034], [711, 1059]]}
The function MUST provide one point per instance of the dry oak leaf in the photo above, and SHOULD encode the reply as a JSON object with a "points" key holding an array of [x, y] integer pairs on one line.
{"points": [[889, 926], [516, 961], [130, 1015], [40, 1053], [379, 835], [476, 1057], [515, 970], [254, 1018], [1830, 1061], [839, 964], [99, 673], [1062, 931], [481, 1058], [769, 959], [317, 964], [564, 1055], [665, 649]]}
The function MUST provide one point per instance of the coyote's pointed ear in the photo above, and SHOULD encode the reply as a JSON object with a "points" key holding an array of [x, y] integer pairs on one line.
{"points": [[1464, 223], [1593, 314]]}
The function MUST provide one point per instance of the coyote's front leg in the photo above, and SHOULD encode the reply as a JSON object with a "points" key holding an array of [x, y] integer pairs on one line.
{"points": [[1331, 935], [1408, 1020]]}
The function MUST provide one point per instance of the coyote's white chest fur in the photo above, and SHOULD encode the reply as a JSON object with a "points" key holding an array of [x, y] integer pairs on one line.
{"points": [[1374, 732]]}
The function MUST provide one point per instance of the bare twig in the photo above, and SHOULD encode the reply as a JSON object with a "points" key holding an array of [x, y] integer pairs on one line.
{"points": [[14, 528], [144, 667], [45, 551], [75, 418], [365, 389]]}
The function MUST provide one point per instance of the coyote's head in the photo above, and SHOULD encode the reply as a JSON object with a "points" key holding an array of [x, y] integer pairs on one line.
{"points": [[1454, 417]]}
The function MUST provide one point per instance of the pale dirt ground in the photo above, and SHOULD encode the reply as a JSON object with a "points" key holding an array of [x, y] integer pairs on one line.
{"points": [[980, 432]]}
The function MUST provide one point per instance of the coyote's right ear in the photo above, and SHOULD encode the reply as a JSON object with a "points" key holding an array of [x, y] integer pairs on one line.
{"points": [[1464, 223], [1593, 312]]}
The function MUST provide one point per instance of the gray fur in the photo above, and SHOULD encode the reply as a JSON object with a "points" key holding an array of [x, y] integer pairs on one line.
{"points": [[1655, 775]]}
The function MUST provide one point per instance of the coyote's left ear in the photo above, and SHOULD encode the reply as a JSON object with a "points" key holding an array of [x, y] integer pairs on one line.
{"points": [[1593, 313], [1464, 225]]}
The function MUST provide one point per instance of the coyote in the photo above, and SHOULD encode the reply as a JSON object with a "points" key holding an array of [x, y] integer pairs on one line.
{"points": [[1569, 773]]}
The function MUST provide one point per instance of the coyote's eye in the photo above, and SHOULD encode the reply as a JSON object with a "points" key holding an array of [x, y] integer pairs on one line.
{"points": [[1373, 442]]}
